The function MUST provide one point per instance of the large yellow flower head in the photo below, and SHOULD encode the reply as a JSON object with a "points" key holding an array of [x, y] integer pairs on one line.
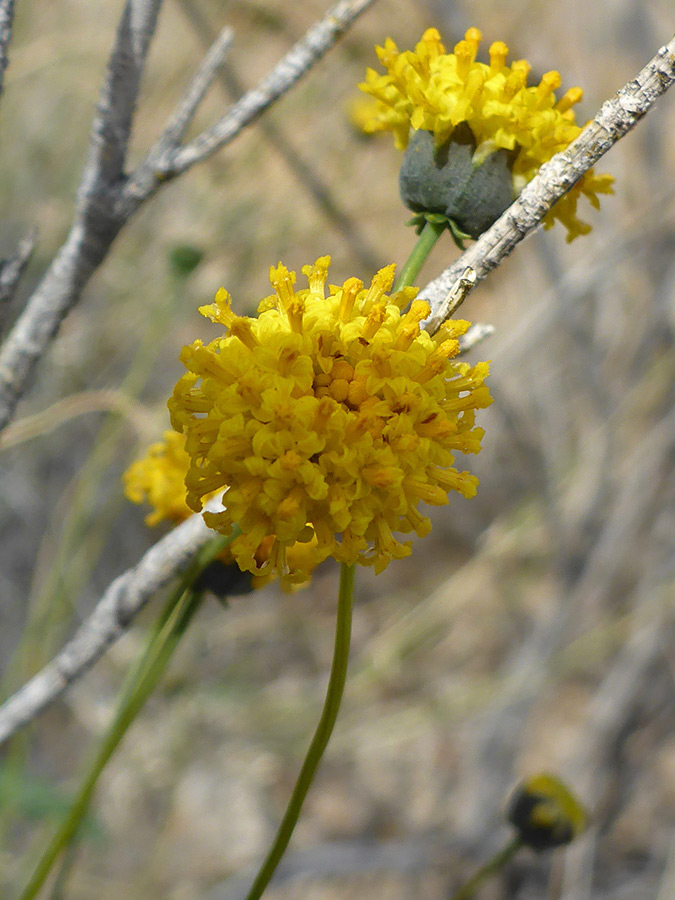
{"points": [[430, 90], [326, 418]]}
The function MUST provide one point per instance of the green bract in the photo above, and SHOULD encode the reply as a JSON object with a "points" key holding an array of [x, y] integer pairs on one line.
{"points": [[446, 180]]}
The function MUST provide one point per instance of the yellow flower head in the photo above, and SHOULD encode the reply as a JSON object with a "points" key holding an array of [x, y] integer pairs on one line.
{"points": [[430, 90], [159, 479], [326, 418]]}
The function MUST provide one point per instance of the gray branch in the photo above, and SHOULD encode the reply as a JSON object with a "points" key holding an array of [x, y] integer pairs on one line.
{"points": [[6, 19], [117, 103], [615, 119], [116, 609], [166, 160], [283, 76], [203, 79], [107, 199]]}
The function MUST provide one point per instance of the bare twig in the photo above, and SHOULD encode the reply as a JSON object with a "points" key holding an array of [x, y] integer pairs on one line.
{"points": [[116, 609], [107, 199], [6, 19], [615, 119], [306, 52], [117, 103], [301, 165], [166, 161], [13, 268], [201, 82]]}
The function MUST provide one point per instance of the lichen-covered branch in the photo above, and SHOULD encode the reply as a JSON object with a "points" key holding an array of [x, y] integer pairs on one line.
{"points": [[615, 119]]}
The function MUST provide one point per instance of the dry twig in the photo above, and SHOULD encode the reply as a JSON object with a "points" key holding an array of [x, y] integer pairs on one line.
{"points": [[96, 222]]}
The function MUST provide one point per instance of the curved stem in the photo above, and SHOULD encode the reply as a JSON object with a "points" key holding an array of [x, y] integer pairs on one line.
{"points": [[170, 626], [426, 240], [498, 861], [336, 683]]}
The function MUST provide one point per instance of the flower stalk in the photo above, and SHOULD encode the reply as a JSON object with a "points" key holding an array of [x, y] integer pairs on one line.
{"points": [[336, 683], [430, 233], [496, 864]]}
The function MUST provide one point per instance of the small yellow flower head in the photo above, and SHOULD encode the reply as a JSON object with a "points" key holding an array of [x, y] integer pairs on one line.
{"points": [[159, 479], [326, 418], [451, 96], [545, 812]]}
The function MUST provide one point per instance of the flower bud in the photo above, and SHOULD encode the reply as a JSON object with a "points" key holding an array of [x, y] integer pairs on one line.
{"points": [[545, 812]]}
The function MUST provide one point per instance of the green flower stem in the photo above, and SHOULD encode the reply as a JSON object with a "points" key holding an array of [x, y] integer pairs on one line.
{"points": [[171, 624], [496, 864], [336, 683], [411, 269]]}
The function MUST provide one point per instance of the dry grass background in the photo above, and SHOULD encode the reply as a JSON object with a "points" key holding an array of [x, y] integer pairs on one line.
{"points": [[533, 628]]}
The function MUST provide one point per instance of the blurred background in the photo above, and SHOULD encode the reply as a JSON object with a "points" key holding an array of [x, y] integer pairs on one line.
{"points": [[533, 629]]}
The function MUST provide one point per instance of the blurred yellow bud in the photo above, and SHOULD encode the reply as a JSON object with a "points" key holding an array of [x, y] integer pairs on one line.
{"points": [[545, 812]]}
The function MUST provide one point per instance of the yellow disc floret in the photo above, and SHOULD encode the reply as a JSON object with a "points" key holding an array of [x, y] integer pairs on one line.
{"points": [[429, 89], [326, 419]]}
